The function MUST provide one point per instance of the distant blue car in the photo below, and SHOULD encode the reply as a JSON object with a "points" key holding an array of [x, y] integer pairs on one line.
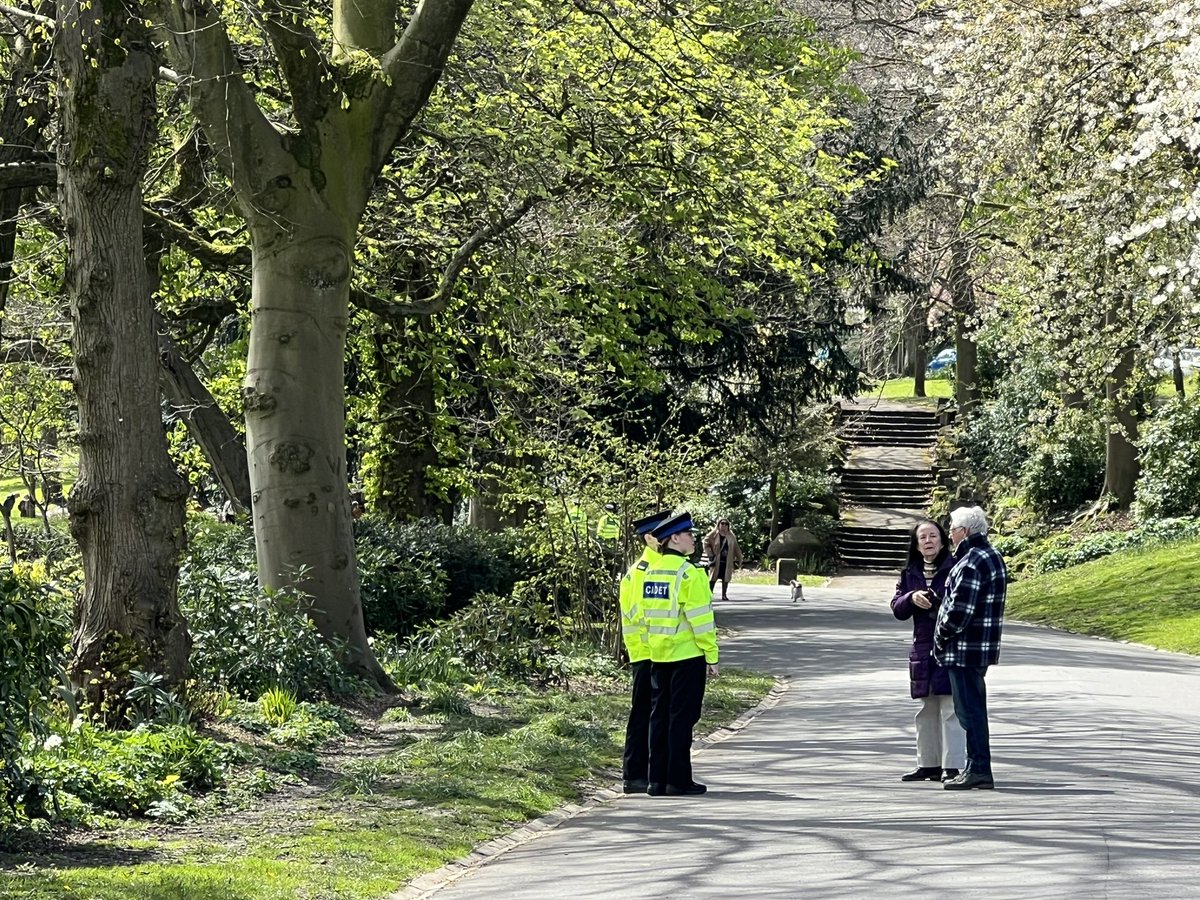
{"points": [[942, 363]]}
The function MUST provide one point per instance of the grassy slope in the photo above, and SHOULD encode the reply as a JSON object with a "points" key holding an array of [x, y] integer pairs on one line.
{"points": [[441, 785], [1145, 596]]}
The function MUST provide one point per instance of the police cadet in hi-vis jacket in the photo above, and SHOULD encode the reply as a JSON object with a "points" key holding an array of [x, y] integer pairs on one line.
{"points": [[636, 761], [682, 634]]}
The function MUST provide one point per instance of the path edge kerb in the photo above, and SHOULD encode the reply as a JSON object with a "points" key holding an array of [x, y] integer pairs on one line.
{"points": [[432, 882]]}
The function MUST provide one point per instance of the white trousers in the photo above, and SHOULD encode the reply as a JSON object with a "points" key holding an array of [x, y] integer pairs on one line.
{"points": [[941, 742]]}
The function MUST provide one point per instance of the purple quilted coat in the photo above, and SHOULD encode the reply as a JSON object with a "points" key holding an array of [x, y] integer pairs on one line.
{"points": [[923, 672]]}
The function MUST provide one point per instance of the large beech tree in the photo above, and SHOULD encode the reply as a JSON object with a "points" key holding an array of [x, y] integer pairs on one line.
{"points": [[127, 506], [302, 185]]}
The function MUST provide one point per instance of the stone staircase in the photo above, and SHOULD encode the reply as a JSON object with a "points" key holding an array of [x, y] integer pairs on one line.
{"points": [[890, 427], [886, 481]]}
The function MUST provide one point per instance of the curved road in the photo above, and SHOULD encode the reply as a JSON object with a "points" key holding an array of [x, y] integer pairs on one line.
{"points": [[1096, 758]]}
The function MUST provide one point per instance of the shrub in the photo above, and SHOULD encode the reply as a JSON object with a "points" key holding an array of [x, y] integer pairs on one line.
{"points": [[283, 720], [400, 589], [247, 640], [1170, 456], [33, 640], [412, 572], [997, 438], [513, 636], [1066, 553], [1066, 470], [805, 498], [277, 706], [129, 772]]}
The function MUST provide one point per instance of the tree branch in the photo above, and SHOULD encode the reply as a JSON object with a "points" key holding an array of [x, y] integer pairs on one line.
{"points": [[199, 246], [28, 173], [411, 69], [435, 303], [34, 351], [26, 14], [246, 144], [302, 59]]}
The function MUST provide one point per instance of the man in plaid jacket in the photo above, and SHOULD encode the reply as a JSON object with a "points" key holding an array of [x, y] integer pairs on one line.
{"points": [[966, 638]]}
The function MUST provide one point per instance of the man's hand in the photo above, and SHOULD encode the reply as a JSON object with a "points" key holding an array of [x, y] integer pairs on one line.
{"points": [[714, 671]]}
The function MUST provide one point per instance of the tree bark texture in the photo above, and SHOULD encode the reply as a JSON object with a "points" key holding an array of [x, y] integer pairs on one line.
{"points": [[208, 425], [127, 506], [294, 400], [303, 194], [917, 334], [1121, 467]]}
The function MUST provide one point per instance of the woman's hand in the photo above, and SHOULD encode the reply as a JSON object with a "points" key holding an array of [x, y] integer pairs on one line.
{"points": [[921, 599]]}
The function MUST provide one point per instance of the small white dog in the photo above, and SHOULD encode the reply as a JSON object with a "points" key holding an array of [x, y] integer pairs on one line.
{"points": [[797, 591]]}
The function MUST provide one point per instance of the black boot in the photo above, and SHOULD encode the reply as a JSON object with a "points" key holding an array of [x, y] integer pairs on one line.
{"points": [[923, 773]]}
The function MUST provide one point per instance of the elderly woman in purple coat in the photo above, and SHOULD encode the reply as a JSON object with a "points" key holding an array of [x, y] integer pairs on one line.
{"points": [[941, 742]]}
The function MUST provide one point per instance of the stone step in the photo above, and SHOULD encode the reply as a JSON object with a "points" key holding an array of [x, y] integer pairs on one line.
{"points": [[858, 479], [894, 441], [864, 422], [893, 414], [915, 501], [858, 489], [895, 539], [879, 559]]}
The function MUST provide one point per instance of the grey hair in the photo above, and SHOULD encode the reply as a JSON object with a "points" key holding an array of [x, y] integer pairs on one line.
{"points": [[972, 518]]}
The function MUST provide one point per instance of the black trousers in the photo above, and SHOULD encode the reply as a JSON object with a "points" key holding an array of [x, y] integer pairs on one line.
{"points": [[677, 690], [635, 765], [970, 705]]}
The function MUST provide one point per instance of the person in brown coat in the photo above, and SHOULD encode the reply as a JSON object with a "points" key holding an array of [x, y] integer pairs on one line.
{"points": [[724, 555]]}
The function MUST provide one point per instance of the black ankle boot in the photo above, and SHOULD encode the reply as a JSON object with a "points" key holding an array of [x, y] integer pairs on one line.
{"points": [[923, 773]]}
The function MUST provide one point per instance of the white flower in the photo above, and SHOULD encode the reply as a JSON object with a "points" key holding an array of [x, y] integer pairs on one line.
{"points": [[52, 742]]}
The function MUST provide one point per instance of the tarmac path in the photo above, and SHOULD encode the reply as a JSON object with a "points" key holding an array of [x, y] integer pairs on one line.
{"points": [[1094, 748]]}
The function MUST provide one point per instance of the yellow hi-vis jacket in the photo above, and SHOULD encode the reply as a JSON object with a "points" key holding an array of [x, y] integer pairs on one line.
{"points": [[608, 527], [633, 620], [677, 604]]}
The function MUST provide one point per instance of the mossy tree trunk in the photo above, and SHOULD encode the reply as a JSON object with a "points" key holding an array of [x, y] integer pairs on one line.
{"points": [[303, 193], [127, 506]]}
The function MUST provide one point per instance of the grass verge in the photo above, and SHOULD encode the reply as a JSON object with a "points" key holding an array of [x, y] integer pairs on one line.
{"points": [[418, 790], [902, 389], [755, 576], [1146, 596]]}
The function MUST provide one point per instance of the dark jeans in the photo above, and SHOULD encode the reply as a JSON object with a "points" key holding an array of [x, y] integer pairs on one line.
{"points": [[678, 693], [970, 705], [635, 765]]}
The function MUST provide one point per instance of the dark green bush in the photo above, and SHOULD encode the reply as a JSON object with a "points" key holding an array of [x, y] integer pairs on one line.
{"points": [[805, 499], [1170, 456], [1066, 469], [999, 436], [515, 636], [33, 641], [398, 577], [401, 589], [244, 638], [34, 542]]}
